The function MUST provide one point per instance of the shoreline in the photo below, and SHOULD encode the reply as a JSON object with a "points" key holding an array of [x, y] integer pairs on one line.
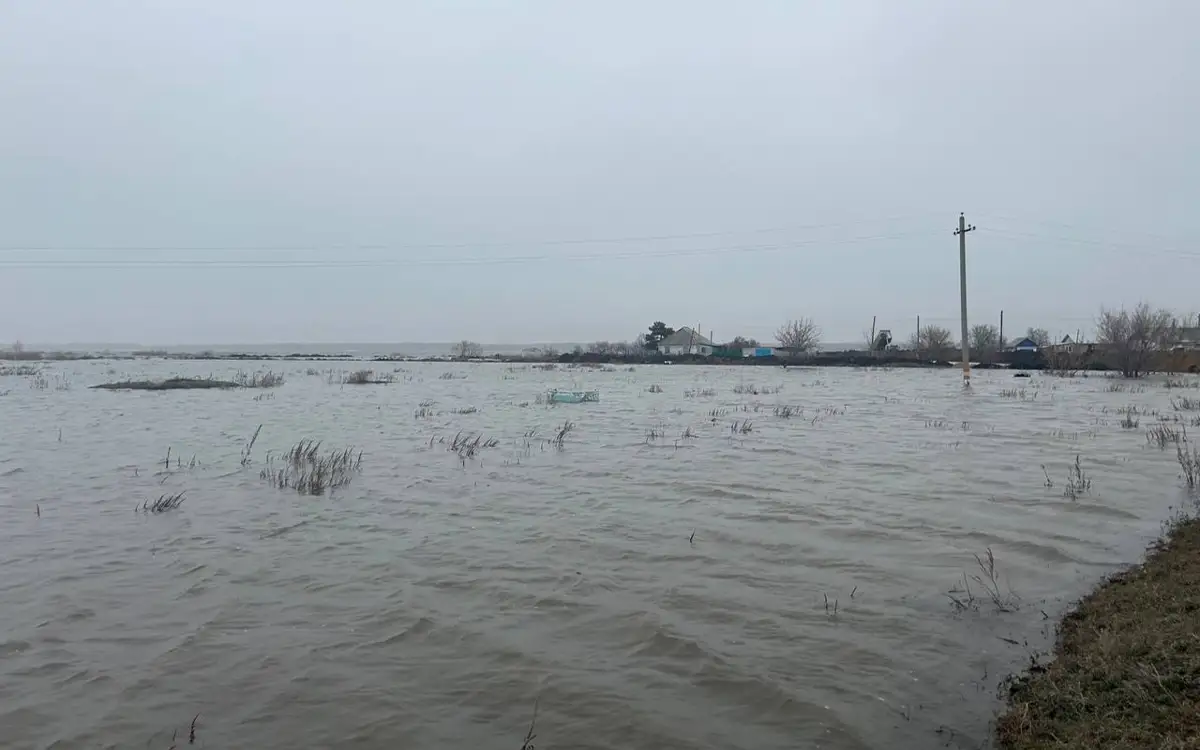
{"points": [[850, 358], [1167, 363], [1125, 670]]}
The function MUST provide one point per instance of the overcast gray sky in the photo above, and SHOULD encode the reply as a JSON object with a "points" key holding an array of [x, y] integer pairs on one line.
{"points": [[285, 170]]}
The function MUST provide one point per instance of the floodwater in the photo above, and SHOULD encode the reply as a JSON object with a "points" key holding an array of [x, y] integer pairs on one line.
{"points": [[435, 600]]}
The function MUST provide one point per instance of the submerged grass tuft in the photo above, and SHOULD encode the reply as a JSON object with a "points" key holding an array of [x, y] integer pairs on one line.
{"points": [[163, 504], [987, 588], [367, 377], [265, 379], [1161, 435], [305, 469], [467, 444], [1183, 403], [1078, 482], [1189, 463]]}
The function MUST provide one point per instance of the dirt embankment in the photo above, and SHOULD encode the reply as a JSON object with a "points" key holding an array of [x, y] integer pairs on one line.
{"points": [[1126, 668]]}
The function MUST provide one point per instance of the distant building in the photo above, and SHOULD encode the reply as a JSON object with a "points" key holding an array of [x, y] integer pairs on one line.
{"points": [[1025, 345], [1069, 346], [758, 351], [1189, 338], [685, 342]]}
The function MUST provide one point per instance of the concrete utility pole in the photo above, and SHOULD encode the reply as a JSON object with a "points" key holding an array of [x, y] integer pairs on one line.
{"points": [[962, 283]]}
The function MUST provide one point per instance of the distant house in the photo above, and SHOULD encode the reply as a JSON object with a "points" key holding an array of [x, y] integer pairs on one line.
{"points": [[1069, 346], [685, 341], [1025, 345], [1189, 338]]}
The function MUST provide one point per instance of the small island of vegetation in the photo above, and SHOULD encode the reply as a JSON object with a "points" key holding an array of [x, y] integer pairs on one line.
{"points": [[170, 384]]}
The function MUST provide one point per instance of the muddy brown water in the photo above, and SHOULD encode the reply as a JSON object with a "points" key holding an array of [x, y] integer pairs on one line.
{"points": [[434, 600]]}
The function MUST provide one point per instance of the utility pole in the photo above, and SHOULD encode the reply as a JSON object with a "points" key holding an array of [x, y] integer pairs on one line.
{"points": [[871, 343], [1000, 343], [918, 334], [962, 284]]}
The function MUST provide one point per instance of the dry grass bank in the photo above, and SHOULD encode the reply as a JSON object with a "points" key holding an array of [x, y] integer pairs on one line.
{"points": [[1126, 668]]}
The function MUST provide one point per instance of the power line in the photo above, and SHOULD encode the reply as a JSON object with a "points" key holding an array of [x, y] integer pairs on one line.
{"points": [[450, 246], [1140, 250], [402, 262], [1076, 227]]}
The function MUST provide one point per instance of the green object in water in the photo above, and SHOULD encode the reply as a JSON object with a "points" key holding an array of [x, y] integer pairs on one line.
{"points": [[573, 397]]}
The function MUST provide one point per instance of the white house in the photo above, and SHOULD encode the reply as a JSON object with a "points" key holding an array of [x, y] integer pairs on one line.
{"points": [[685, 341]]}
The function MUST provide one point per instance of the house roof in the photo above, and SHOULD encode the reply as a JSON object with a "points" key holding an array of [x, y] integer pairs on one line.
{"points": [[1025, 344], [685, 337]]}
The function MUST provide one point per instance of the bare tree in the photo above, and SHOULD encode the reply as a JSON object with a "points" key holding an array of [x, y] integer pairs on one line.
{"points": [[985, 338], [1134, 337], [1039, 336], [18, 347], [932, 340], [799, 336], [467, 350]]}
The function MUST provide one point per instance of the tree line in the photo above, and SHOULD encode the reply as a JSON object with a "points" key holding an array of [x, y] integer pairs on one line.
{"points": [[1130, 338]]}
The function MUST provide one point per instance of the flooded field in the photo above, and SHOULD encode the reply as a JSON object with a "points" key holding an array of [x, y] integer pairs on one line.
{"points": [[707, 558]]}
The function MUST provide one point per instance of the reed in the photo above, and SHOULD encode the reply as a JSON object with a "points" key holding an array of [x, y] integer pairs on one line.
{"points": [[1183, 403], [561, 435], [305, 469], [1189, 463], [987, 588], [655, 388], [1170, 383], [466, 444], [1162, 435], [1019, 394], [264, 379], [18, 370], [163, 504], [754, 390], [527, 744], [249, 447], [1078, 482], [367, 377]]}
